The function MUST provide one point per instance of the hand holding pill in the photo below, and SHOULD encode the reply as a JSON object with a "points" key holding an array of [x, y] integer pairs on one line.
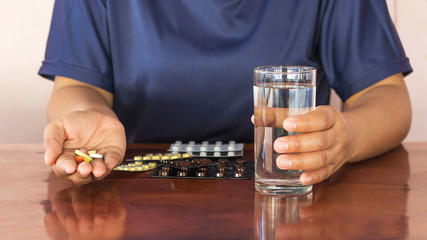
{"points": [[84, 130]]}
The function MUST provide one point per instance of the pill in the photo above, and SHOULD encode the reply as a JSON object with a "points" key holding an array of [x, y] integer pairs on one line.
{"points": [[163, 173], [91, 151], [175, 156], [239, 174], [189, 148], [96, 155], [186, 155], [152, 164], [182, 173], [138, 158], [167, 157], [139, 168], [86, 157], [138, 163], [241, 161], [79, 159], [146, 167], [230, 154], [223, 161], [145, 158]]}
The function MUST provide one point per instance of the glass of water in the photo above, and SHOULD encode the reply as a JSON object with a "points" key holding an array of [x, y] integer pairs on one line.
{"points": [[280, 91]]}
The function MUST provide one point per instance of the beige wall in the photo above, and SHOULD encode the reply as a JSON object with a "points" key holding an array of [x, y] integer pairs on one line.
{"points": [[24, 25]]}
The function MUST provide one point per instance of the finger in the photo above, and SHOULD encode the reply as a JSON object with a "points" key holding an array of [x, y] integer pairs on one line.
{"points": [[305, 161], [53, 141], [83, 174], [264, 117], [99, 169], [65, 165], [318, 175], [112, 159], [323, 117], [304, 142]]}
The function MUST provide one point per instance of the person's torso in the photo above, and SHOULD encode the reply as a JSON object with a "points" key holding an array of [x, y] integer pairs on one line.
{"points": [[183, 70]]}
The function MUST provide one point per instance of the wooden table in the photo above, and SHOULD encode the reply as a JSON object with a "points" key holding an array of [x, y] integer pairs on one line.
{"points": [[383, 198]]}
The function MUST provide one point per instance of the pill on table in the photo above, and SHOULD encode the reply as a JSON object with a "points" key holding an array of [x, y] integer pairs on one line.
{"points": [[96, 155], [86, 157]]}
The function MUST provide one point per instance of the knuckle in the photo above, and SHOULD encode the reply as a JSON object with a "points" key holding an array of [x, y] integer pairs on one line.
{"points": [[323, 158], [323, 141]]}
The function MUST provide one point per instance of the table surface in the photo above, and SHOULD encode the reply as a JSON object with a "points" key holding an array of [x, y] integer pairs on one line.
{"points": [[381, 198]]}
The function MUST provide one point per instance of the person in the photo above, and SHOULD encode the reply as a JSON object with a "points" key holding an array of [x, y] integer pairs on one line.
{"points": [[160, 71]]}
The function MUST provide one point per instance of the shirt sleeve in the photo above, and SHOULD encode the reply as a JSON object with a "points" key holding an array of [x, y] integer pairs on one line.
{"points": [[359, 45], [78, 43]]}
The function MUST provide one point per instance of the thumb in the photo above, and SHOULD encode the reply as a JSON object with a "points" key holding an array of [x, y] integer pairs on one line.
{"points": [[53, 141]]}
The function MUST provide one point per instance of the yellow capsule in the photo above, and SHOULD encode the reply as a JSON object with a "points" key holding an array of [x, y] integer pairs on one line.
{"points": [[166, 157], [186, 155], [125, 168], [132, 169], [86, 157], [138, 163], [91, 152], [145, 158], [152, 164], [139, 168], [137, 157], [176, 156], [157, 157], [131, 164], [145, 167]]}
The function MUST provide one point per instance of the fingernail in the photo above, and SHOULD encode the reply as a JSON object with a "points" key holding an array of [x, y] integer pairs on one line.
{"points": [[307, 179], [289, 124], [283, 163], [45, 157], [281, 146]]}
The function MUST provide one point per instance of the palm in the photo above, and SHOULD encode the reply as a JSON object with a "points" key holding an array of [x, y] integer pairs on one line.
{"points": [[89, 130]]}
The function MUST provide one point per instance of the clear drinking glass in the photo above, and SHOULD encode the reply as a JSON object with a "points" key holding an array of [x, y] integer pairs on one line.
{"points": [[279, 92]]}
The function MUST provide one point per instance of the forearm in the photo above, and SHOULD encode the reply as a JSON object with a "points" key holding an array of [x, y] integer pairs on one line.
{"points": [[69, 95], [379, 119]]}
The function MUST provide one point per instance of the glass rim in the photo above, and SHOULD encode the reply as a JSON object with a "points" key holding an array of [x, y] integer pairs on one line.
{"points": [[263, 69]]}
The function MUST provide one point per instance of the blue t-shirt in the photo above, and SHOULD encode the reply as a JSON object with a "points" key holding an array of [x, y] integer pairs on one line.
{"points": [[183, 69]]}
